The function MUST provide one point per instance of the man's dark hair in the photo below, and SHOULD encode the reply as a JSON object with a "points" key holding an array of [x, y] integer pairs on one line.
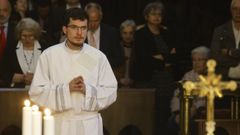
{"points": [[75, 14]]}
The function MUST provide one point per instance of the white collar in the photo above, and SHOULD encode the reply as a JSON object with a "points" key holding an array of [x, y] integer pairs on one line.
{"points": [[75, 6]]}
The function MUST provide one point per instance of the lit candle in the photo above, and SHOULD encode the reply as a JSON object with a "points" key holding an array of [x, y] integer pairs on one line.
{"points": [[27, 118], [49, 128], [36, 121]]}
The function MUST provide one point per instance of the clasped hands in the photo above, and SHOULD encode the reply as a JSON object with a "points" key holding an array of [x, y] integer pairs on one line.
{"points": [[23, 78], [28, 78], [77, 85]]}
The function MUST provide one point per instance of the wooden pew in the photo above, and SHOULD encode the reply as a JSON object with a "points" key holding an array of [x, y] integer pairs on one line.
{"points": [[133, 106], [11, 103]]}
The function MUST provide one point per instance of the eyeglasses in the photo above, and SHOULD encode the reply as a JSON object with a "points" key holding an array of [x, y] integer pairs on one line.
{"points": [[77, 28]]}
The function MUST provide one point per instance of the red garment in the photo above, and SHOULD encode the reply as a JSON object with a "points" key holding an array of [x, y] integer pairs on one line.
{"points": [[2, 41]]}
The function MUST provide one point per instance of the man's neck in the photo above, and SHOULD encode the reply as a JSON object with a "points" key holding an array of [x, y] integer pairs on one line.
{"points": [[236, 25], [72, 46]]}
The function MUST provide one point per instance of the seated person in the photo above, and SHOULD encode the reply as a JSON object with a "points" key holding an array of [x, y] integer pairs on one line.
{"points": [[199, 56], [20, 60]]}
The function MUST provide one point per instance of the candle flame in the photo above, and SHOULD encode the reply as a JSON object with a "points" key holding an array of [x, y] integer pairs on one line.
{"points": [[47, 112], [35, 108], [27, 103]]}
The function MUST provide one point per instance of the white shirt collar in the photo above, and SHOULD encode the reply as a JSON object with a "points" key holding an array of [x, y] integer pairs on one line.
{"points": [[96, 36], [5, 27], [76, 6], [236, 33]]}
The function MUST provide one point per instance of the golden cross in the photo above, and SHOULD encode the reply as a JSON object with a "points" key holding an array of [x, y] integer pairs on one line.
{"points": [[209, 86]]}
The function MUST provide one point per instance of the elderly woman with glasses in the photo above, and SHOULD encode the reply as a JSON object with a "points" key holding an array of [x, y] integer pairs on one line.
{"points": [[19, 61]]}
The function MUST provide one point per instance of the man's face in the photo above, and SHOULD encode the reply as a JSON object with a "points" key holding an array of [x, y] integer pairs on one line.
{"points": [[235, 10], [21, 5], [236, 13], [76, 32], [94, 19], [4, 12]]}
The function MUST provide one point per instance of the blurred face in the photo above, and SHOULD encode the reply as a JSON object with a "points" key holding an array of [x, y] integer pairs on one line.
{"points": [[199, 63], [4, 12], [43, 11], [94, 19], [72, 2], [236, 11], [76, 33], [21, 5], [154, 17], [127, 34], [27, 38]]}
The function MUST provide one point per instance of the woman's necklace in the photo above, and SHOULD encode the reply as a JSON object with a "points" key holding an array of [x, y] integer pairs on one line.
{"points": [[28, 62]]}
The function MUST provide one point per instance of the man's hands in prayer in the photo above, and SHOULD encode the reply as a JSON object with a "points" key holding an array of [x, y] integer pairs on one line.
{"points": [[77, 84]]}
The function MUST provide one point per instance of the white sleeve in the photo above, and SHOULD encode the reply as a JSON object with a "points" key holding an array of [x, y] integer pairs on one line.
{"points": [[44, 93], [104, 93]]}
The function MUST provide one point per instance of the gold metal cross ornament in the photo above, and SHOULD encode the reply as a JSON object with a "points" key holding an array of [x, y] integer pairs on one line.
{"points": [[209, 86]]}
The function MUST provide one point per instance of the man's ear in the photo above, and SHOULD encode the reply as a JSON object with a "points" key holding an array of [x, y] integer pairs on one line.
{"points": [[146, 17], [64, 29]]}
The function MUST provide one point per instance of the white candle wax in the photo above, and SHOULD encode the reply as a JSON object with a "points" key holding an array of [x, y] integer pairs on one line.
{"points": [[49, 128], [27, 118], [36, 121]]}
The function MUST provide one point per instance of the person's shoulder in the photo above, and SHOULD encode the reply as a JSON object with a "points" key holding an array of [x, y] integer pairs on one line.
{"points": [[224, 26], [54, 48], [142, 29], [190, 76], [93, 51], [89, 49]]}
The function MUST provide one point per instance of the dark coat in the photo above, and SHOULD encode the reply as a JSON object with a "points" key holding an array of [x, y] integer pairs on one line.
{"points": [[110, 45], [10, 65], [145, 47], [223, 38]]}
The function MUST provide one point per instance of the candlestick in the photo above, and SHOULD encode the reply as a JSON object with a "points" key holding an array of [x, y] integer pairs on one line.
{"points": [[36, 121], [49, 128], [27, 118]]}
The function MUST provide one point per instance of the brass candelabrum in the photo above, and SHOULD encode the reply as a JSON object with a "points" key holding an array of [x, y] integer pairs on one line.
{"points": [[209, 86]]}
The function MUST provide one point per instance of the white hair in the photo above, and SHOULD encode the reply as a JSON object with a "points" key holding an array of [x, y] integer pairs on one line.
{"points": [[127, 23], [201, 50]]}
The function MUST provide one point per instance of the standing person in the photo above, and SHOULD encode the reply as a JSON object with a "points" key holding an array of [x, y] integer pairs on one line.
{"points": [[104, 37], [19, 61], [127, 29], [20, 10], [152, 52], [6, 31], [6, 27], [225, 43], [75, 80], [152, 67], [56, 18]]}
